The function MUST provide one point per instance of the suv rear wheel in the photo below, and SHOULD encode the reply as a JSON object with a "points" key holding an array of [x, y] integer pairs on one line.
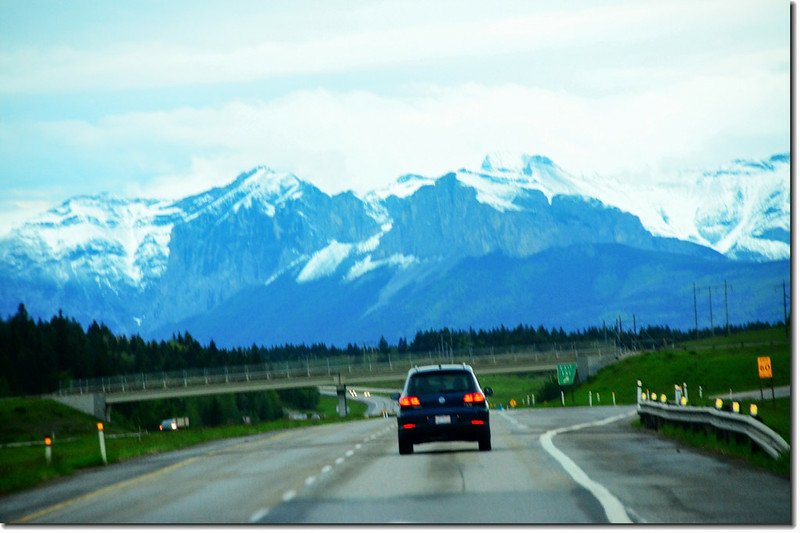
{"points": [[405, 446]]}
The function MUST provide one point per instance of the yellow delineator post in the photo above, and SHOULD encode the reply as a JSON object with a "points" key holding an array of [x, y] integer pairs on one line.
{"points": [[102, 438], [48, 450]]}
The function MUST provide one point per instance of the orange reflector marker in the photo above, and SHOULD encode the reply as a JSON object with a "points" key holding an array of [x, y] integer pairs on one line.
{"points": [[48, 441], [409, 426], [99, 426]]}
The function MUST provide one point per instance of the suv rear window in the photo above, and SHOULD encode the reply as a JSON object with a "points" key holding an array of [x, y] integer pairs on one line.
{"points": [[440, 382]]}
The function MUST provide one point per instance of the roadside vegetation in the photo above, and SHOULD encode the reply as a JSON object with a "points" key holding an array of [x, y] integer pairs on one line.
{"points": [[24, 422], [719, 365]]}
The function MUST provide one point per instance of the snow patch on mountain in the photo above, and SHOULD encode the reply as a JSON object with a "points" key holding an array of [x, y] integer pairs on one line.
{"points": [[367, 264], [324, 262]]}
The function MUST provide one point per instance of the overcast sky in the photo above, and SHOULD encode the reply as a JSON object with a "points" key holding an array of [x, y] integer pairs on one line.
{"points": [[164, 99]]}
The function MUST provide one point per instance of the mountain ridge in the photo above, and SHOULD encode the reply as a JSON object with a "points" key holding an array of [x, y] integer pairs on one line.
{"points": [[143, 264]]}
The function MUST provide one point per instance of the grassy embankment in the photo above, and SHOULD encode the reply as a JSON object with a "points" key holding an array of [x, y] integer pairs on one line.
{"points": [[718, 365], [76, 443]]}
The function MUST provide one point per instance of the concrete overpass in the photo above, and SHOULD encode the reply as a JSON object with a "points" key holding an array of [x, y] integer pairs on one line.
{"points": [[96, 396]]}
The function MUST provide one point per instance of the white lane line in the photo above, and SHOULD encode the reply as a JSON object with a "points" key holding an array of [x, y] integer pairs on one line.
{"points": [[358, 446], [289, 496], [310, 480], [258, 515], [339, 460], [349, 453], [326, 469], [614, 509], [513, 421]]}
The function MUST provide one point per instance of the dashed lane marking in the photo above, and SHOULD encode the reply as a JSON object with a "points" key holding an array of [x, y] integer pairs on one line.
{"points": [[259, 515], [289, 496]]}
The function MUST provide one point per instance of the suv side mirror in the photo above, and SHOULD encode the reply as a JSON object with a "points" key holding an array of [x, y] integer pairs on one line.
{"points": [[488, 391], [395, 396]]}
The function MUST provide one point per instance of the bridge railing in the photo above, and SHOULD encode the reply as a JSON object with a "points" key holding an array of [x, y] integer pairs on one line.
{"points": [[342, 367]]}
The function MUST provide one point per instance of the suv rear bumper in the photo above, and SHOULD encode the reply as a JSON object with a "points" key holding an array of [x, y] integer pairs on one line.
{"points": [[472, 426]]}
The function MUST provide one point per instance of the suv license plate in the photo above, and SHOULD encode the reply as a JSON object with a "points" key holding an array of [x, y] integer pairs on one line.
{"points": [[443, 419]]}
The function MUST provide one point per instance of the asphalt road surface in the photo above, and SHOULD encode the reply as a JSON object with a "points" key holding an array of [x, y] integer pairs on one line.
{"points": [[557, 466]]}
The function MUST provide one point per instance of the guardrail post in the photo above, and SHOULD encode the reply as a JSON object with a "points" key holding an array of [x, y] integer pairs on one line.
{"points": [[590, 398], [614, 398], [638, 391]]}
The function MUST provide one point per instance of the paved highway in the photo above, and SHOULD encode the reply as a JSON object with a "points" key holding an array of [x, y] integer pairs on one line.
{"points": [[579, 465]]}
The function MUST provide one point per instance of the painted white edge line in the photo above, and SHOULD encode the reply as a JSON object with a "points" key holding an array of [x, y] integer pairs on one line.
{"points": [[310, 480], [326, 469], [289, 496], [613, 508]]}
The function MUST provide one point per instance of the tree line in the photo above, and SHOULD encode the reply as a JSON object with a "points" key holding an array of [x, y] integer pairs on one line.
{"points": [[37, 355]]}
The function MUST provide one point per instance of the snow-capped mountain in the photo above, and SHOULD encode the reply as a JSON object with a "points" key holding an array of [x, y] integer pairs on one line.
{"points": [[271, 258], [741, 210]]}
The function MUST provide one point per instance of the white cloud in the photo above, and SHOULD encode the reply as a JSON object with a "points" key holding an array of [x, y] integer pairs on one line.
{"points": [[425, 35], [358, 140]]}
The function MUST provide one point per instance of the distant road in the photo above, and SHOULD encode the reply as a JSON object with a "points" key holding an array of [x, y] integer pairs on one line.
{"points": [[780, 392], [352, 473]]}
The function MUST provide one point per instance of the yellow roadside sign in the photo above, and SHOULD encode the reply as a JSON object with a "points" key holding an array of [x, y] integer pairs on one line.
{"points": [[513, 403], [764, 367]]}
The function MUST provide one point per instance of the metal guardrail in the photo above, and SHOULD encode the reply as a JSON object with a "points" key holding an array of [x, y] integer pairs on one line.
{"points": [[767, 439], [328, 367]]}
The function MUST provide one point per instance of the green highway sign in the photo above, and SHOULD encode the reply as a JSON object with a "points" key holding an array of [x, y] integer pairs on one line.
{"points": [[566, 373]]}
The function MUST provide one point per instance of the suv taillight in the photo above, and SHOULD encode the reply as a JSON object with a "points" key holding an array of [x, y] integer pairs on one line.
{"points": [[474, 397], [408, 401]]}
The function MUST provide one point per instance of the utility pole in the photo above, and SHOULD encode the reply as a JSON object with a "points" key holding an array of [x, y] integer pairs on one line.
{"points": [[727, 324], [710, 312], [696, 329], [785, 317]]}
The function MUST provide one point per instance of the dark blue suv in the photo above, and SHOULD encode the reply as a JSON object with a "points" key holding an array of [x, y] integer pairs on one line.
{"points": [[443, 403]]}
